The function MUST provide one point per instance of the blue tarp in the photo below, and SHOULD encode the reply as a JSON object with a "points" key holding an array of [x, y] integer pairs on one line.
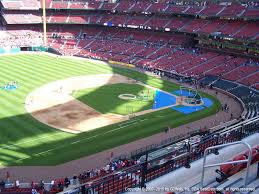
{"points": [[207, 102], [163, 99], [187, 109]]}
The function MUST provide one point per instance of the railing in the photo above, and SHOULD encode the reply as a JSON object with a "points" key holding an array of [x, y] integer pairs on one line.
{"points": [[138, 175], [248, 160]]}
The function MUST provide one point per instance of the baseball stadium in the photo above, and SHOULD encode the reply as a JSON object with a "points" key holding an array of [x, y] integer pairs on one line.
{"points": [[129, 96]]}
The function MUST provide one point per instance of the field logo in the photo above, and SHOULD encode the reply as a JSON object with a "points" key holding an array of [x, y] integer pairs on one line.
{"points": [[13, 85], [144, 95]]}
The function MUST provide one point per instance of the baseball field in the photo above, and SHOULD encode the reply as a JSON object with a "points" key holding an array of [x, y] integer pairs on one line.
{"points": [[32, 131]]}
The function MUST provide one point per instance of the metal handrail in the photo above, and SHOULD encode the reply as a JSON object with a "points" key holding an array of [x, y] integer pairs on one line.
{"points": [[248, 161], [240, 124]]}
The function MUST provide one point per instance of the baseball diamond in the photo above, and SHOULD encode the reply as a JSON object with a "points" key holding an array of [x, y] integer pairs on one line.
{"points": [[129, 96], [44, 103]]}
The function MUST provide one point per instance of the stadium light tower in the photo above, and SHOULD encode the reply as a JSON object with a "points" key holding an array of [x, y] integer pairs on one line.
{"points": [[44, 21]]}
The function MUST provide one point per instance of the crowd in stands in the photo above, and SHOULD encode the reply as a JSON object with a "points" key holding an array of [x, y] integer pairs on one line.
{"points": [[19, 38], [8, 185], [90, 175]]}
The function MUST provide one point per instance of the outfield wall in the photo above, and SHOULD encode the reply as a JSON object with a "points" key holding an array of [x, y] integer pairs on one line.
{"points": [[9, 50], [122, 64], [15, 50], [242, 105]]}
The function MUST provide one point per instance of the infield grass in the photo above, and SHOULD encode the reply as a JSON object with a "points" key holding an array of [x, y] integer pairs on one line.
{"points": [[25, 141], [105, 99]]}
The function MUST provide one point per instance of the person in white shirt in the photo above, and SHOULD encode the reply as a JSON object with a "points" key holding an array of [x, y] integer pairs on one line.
{"points": [[17, 183], [34, 191]]}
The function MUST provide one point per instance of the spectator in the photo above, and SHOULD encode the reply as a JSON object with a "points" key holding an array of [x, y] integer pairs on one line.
{"points": [[17, 183], [74, 180], [41, 184], [67, 182], [7, 177], [60, 186], [34, 191], [52, 183], [167, 129]]}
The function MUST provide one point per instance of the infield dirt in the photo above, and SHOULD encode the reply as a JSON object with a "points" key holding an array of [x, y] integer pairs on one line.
{"points": [[54, 105]]}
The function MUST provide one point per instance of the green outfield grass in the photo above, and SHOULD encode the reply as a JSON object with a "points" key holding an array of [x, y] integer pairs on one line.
{"points": [[105, 98], [25, 141]]}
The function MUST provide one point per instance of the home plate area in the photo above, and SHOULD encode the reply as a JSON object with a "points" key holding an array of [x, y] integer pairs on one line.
{"points": [[163, 99]]}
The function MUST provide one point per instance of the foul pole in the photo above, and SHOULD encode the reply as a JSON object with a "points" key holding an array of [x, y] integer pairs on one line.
{"points": [[44, 21]]}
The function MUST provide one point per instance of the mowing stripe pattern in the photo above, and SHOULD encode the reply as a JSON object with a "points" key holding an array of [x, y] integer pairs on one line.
{"points": [[25, 141]]}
